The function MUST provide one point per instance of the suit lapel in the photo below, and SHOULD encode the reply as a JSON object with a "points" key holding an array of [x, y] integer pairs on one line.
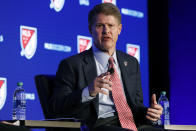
{"points": [[89, 67], [90, 72]]}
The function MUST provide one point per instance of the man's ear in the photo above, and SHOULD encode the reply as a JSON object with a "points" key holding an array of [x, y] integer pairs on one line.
{"points": [[119, 28]]}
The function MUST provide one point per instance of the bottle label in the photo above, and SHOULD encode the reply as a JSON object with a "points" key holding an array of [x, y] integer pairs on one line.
{"points": [[19, 105]]}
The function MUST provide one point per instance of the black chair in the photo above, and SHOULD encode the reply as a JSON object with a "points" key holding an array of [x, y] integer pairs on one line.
{"points": [[45, 85]]}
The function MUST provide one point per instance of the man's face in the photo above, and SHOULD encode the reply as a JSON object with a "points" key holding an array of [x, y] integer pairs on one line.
{"points": [[105, 31]]}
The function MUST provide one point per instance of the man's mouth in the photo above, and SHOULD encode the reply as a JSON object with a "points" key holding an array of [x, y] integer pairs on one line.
{"points": [[105, 38]]}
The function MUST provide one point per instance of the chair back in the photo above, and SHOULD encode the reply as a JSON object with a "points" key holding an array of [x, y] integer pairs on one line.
{"points": [[44, 85]]}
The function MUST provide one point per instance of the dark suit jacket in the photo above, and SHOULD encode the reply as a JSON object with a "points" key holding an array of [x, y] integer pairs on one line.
{"points": [[78, 72]]}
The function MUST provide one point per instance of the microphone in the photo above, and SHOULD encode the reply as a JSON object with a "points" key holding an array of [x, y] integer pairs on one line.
{"points": [[111, 70]]}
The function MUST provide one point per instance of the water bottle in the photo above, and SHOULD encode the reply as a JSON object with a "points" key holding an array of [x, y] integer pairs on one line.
{"points": [[163, 101], [19, 103]]}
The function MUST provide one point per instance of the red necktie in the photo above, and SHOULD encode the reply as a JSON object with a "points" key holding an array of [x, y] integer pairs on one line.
{"points": [[124, 112]]}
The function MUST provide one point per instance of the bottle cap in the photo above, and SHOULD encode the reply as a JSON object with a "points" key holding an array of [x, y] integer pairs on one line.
{"points": [[20, 84], [163, 92]]}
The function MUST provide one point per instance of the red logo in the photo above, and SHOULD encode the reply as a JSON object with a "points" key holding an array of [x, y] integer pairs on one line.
{"points": [[83, 43], [26, 36], [3, 91], [134, 50], [28, 41], [1, 83], [109, 1]]}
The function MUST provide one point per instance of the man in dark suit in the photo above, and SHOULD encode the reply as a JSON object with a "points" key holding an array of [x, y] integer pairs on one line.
{"points": [[85, 88]]}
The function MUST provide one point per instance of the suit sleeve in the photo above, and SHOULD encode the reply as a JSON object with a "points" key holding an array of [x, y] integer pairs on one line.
{"points": [[66, 99], [140, 109]]}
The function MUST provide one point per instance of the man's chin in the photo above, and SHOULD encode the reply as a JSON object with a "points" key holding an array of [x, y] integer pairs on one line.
{"points": [[106, 46], [107, 49]]}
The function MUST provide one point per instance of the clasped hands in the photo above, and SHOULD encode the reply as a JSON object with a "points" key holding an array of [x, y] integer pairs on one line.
{"points": [[102, 82]]}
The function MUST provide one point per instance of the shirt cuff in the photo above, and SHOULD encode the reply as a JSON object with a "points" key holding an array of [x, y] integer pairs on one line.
{"points": [[86, 96]]}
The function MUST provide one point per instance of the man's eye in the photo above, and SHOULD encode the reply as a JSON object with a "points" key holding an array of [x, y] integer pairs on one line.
{"points": [[111, 25], [99, 26]]}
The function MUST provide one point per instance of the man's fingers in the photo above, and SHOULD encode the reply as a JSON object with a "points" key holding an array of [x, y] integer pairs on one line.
{"points": [[103, 92], [105, 83], [158, 108], [153, 114], [155, 111], [151, 118], [103, 75], [105, 86], [100, 84], [153, 99]]}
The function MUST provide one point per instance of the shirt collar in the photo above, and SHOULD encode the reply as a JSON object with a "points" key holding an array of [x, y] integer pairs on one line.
{"points": [[103, 57]]}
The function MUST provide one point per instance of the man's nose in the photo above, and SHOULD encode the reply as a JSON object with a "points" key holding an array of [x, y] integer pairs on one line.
{"points": [[105, 30]]}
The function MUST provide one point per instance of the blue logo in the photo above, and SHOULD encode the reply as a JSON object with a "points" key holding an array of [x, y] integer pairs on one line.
{"points": [[133, 13], [84, 2], [57, 47], [1, 38]]}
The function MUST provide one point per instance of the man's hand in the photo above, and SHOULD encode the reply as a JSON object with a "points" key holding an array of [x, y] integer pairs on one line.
{"points": [[155, 111], [99, 84]]}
